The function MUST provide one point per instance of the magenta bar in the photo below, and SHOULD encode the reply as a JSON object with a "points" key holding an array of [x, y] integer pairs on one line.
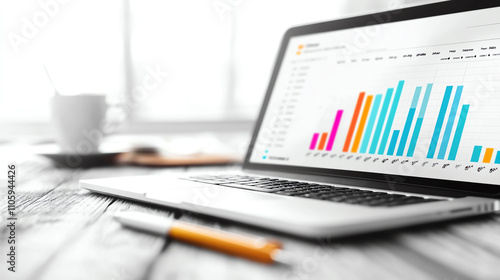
{"points": [[314, 141], [335, 127]]}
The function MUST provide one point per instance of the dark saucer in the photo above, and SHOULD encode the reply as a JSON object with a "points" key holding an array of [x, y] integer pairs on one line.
{"points": [[104, 157], [83, 160]]}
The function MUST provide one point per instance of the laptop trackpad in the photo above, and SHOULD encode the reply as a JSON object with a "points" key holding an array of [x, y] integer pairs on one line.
{"points": [[237, 204], [204, 194], [209, 196]]}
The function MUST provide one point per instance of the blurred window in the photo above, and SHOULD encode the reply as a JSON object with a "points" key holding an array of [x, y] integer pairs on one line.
{"points": [[163, 61]]}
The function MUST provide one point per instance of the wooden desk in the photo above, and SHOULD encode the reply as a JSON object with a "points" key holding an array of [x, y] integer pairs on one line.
{"points": [[65, 232]]}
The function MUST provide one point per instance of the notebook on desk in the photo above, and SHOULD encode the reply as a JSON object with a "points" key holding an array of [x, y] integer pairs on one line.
{"points": [[369, 123]]}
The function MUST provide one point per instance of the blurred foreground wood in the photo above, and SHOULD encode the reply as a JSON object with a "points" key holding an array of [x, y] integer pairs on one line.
{"points": [[68, 233]]}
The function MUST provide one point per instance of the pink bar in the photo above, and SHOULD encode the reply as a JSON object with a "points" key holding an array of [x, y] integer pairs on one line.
{"points": [[334, 130], [314, 141]]}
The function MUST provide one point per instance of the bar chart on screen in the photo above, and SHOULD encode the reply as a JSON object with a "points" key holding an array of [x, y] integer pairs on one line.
{"points": [[371, 133], [419, 111], [370, 129]]}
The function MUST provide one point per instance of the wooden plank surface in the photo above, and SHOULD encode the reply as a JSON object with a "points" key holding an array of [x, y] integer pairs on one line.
{"points": [[68, 233], [61, 226]]}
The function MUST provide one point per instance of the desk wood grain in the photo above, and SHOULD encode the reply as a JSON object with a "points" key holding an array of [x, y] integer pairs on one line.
{"points": [[65, 232]]}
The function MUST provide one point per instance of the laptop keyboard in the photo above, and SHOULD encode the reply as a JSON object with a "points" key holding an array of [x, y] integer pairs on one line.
{"points": [[311, 190]]}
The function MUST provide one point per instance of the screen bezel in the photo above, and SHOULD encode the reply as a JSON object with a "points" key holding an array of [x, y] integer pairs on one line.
{"points": [[436, 9]]}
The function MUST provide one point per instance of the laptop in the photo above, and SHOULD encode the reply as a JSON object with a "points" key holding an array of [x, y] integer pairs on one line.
{"points": [[369, 123]]}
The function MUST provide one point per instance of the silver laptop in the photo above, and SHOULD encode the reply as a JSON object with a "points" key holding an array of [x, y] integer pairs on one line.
{"points": [[369, 123]]}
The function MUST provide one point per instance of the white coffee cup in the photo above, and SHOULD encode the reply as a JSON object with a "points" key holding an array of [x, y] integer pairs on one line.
{"points": [[77, 122]]}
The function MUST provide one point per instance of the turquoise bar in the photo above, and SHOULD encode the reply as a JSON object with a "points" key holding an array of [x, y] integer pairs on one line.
{"points": [[414, 137], [420, 119], [409, 121], [497, 158], [450, 122], [439, 122], [390, 119], [392, 145], [381, 120], [476, 153], [458, 132], [371, 123]]}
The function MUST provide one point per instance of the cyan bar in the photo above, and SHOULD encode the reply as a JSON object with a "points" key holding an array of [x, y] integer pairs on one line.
{"points": [[392, 145], [476, 153], [450, 122], [416, 96], [425, 101], [458, 132], [314, 140], [371, 123], [381, 120], [497, 158], [439, 122], [390, 119], [409, 121], [420, 119], [406, 131], [414, 137]]}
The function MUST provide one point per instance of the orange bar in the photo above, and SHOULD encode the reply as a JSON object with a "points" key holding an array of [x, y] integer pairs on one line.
{"points": [[487, 155], [353, 122], [362, 123], [322, 142], [242, 246]]}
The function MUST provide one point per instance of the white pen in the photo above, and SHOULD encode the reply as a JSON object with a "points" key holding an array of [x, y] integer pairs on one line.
{"points": [[253, 248]]}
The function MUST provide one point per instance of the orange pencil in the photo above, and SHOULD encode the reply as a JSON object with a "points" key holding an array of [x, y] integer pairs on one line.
{"points": [[253, 248]]}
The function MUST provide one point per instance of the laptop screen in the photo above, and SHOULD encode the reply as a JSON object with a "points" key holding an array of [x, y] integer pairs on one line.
{"points": [[417, 98]]}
